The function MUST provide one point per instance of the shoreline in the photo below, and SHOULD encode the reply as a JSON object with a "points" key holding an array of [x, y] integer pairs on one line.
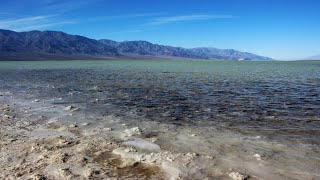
{"points": [[41, 140]]}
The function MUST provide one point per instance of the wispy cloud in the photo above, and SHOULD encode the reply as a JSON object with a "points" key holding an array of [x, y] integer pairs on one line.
{"points": [[123, 16], [58, 8], [199, 17], [61, 6], [44, 26], [32, 23], [125, 32], [156, 19]]}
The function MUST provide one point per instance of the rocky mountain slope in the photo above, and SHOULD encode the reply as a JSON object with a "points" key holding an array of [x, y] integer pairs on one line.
{"points": [[47, 45]]}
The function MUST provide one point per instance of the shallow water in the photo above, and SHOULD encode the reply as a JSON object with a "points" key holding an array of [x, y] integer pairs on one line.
{"points": [[265, 98], [278, 101]]}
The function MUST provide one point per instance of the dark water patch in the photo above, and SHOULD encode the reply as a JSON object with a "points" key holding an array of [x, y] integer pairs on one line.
{"points": [[265, 98]]}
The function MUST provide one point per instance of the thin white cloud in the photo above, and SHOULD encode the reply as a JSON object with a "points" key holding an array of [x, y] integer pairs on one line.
{"points": [[44, 26], [64, 6], [32, 23], [124, 16], [158, 20], [199, 17], [4, 23], [125, 32]]}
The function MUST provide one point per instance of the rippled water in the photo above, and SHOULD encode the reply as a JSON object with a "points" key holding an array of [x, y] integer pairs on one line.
{"points": [[274, 99]]}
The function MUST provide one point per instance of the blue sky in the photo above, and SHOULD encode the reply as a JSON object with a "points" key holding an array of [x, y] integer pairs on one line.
{"points": [[282, 29]]}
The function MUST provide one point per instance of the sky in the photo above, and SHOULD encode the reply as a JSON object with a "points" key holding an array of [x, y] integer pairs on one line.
{"points": [[281, 29]]}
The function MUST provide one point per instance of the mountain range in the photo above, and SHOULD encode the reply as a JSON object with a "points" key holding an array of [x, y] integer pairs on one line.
{"points": [[315, 57], [56, 45]]}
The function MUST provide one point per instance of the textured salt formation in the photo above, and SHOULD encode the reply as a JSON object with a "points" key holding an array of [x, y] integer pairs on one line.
{"points": [[57, 151], [143, 144], [44, 142]]}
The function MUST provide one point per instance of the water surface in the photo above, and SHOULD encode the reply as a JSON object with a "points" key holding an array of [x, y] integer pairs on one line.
{"points": [[280, 100]]}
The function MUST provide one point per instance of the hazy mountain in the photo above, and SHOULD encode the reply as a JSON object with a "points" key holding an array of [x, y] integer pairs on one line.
{"points": [[316, 57], [231, 54], [43, 45]]}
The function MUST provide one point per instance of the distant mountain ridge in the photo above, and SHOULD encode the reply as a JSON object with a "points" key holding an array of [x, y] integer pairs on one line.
{"points": [[54, 45], [315, 57], [147, 48], [214, 53]]}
